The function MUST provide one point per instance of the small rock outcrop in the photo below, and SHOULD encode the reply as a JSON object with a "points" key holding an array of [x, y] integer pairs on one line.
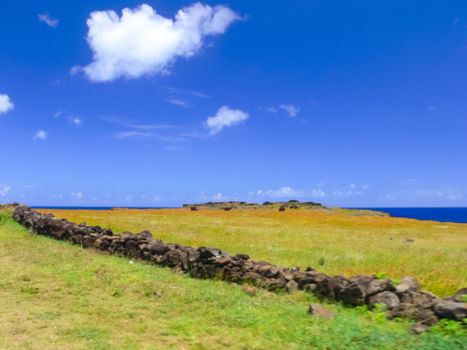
{"points": [[320, 311]]}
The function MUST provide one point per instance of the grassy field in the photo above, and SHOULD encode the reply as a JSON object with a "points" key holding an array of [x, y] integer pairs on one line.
{"points": [[335, 242], [58, 296]]}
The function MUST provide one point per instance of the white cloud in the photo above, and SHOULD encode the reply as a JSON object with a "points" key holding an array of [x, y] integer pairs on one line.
{"points": [[177, 102], [133, 134], [218, 197], [77, 195], [450, 193], [269, 109], [76, 121], [225, 117], [47, 19], [5, 104], [4, 190], [58, 114], [192, 93], [142, 42], [291, 110], [289, 192], [75, 70], [40, 135]]}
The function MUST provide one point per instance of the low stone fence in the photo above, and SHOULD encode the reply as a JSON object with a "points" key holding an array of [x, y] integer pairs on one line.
{"points": [[404, 300]]}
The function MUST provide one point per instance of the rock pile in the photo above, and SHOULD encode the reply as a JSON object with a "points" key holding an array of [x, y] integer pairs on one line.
{"points": [[404, 300]]}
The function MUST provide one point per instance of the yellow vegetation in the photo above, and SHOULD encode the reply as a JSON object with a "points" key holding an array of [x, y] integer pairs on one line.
{"points": [[332, 241]]}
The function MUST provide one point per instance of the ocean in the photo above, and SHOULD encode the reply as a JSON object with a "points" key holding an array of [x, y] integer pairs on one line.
{"points": [[458, 215]]}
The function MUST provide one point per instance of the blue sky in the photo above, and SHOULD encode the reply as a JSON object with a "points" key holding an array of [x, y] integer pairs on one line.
{"points": [[344, 103]]}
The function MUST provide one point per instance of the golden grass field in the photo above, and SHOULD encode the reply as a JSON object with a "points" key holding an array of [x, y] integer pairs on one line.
{"points": [[333, 241], [57, 296]]}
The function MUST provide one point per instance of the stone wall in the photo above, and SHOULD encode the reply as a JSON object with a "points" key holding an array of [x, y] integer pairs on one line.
{"points": [[404, 300]]}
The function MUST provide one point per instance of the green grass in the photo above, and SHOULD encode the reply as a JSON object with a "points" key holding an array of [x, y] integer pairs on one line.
{"points": [[55, 295], [339, 242]]}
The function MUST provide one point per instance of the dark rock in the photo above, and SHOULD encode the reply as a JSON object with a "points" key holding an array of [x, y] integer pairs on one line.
{"points": [[273, 284], [320, 311], [460, 296], [158, 248], [403, 310], [421, 300], [390, 299], [355, 292], [287, 275], [282, 209], [88, 241], [267, 270], [222, 260], [194, 209], [241, 257], [407, 284], [208, 253], [310, 288], [131, 247], [251, 277], [419, 328], [291, 286], [337, 286], [426, 317], [378, 286], [450, 309]]}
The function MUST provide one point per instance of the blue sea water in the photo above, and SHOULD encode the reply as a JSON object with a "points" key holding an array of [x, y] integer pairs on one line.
{"points": [[458, 215]]}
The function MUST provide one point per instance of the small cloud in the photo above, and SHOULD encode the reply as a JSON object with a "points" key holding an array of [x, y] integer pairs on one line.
{"points": [[218, 197], [6, 104], [76, 195], [268, 109], [347, 193], [289, 192], [450, 193], [58, 114], [225, 117], [47, 19], [174, 148], [191, 93], [431, 108], [177, 102], [75, 70], [4, 190], [291, 110], [133, 134], [76, 121], [40, 135]]}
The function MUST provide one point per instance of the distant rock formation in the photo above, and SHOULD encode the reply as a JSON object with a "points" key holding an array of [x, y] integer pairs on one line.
{"points": [[235, 205]]}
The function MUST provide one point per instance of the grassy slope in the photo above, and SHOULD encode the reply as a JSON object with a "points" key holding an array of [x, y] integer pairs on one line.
{"points": [[58, 296], [346, 244]]}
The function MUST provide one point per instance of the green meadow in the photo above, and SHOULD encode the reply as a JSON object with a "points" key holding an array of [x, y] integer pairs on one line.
{"points": [[339, 242], [59, 296]]}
